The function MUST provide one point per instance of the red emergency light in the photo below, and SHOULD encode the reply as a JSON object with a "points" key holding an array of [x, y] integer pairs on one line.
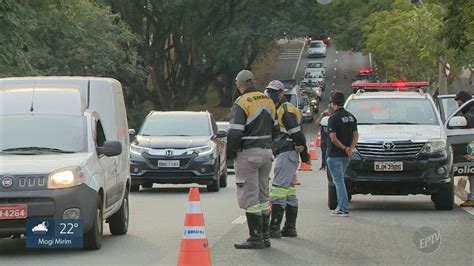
{"points": [[395, 85], [365, 71]]}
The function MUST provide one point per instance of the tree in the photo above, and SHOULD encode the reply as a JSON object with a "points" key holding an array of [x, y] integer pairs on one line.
{"points": [[404, 40]]}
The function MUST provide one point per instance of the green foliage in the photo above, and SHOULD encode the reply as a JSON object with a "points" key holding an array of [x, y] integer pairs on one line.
{"points": [[344, 20], [404, 40], [68, 38]]}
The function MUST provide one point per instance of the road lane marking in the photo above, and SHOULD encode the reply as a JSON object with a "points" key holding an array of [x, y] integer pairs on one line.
{"points": [[299, 60], [335, 68], [333, 84], [336, 60], [337, 52], [334, 77], [240, 220]]}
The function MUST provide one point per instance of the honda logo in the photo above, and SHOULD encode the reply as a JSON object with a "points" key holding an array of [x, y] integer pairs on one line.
{"points": [[169, 153], [388, 146], [7, 181]]}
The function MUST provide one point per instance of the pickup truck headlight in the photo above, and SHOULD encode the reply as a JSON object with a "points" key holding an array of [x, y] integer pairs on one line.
{"points": [[434, 146], [65, 178], [135, 149]]}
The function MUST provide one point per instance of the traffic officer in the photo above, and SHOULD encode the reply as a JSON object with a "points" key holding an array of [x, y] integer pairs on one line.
{"points": [[289, 141], [249, 142]]}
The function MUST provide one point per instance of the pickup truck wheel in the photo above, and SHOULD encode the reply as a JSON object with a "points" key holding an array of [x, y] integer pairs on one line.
{"points": [[135, 188], [93, 238], [332, 197], [444, 199], [118, 223]]}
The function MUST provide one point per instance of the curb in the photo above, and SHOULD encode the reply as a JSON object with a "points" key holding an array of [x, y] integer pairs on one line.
{"points": [[461, 187]]}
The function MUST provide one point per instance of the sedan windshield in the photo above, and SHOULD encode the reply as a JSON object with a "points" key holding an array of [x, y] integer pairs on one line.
{"points": [[314, 65], [42, 134], [315, 45], [176, 125], [393, 111]]}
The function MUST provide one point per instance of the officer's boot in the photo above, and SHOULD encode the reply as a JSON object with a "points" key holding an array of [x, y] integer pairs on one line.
{"points": [[277, 216], [266, 229], [289, 229], [255, 241]]}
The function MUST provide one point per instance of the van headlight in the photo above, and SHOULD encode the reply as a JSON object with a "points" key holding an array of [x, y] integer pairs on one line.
{"points": [[434, 146], [65, 178], [205, 150], [135, 149]]}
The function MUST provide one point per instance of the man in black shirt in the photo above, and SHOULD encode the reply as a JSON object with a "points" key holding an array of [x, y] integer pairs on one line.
{"points": [[343, 138]]}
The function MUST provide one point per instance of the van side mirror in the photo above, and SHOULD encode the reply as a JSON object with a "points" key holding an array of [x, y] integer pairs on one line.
{"points": [[222, 134], [110, 148], [457, 122], [132, 133]]}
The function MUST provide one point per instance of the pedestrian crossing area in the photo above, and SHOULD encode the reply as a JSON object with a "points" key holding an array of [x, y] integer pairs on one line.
{"points": [[290, 52]]}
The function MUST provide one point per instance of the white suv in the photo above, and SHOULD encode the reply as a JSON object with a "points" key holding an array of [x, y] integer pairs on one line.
{"points": [[402, 148]]}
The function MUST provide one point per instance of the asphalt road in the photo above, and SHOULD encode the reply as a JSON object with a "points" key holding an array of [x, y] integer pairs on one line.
{"points": [[380, 230]]}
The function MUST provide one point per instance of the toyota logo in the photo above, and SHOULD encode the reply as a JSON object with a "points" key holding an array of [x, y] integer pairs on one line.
{"points": [[169, 153], [388, 146], [7, 181]]}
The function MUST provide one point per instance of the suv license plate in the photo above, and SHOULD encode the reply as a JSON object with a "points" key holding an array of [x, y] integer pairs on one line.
{"points": [[11, 212], [388, 166], [168, 163]]}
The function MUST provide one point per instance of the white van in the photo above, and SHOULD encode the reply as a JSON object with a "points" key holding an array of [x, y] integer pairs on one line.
{"points": [[64, 154]]}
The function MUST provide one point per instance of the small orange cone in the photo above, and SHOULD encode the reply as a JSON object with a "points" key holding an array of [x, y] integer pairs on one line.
{"points": [[305, 167], [311, 145], [318, 140], [313, 155], [194, 248]]}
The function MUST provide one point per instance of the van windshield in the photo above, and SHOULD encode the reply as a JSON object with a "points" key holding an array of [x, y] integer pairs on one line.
{"points": [[39, 134], [176, 125], [393, 111]]}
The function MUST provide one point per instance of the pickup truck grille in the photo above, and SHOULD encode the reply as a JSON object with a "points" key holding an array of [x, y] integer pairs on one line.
{"points": [[396, 150]]}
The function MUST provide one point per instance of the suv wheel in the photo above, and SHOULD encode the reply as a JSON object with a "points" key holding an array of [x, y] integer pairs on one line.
{"points": [[215, 185], [93, 238], [223, 177], [332, 197], [444, 199], [118, 223]]}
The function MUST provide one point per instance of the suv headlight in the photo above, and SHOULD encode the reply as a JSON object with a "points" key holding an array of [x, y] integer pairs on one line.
{"points": [[65, 178], [434, 146], [205, 150], [135, 149]]}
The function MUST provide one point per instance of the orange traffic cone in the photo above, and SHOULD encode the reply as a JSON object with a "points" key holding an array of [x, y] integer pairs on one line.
{"points": [[194, 248], [313, 155], [318, 140], [305, 167], [311, 145]]}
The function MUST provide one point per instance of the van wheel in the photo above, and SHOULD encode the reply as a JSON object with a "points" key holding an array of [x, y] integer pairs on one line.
{"points": [[223, 181], [93, 238], [332, 197], [135, 188], [118, 223], [215, 185], [444, 199]]}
